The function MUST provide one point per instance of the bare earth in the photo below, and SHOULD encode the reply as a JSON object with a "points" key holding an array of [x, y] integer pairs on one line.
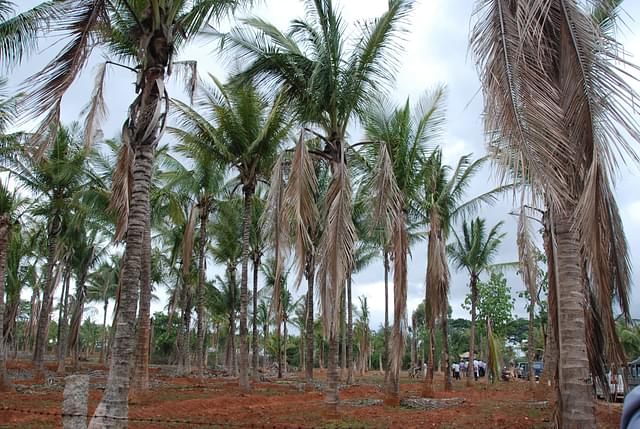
{"points": [[217, 402]]}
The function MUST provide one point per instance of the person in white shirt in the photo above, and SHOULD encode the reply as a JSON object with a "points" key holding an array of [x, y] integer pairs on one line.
{"points": [[456, 370]]}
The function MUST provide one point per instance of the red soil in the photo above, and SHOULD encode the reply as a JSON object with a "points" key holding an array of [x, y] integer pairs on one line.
{"points": [[286, 405]]}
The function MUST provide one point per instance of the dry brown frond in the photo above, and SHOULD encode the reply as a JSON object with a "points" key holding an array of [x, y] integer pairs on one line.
{"points": [[437, 269], [299, 206], [122, 185], [400, 250], [188, 240], [272, 220], [46, 89], [336, 247], [386, 200], [526, 255], [524, 135], [96, 110]]}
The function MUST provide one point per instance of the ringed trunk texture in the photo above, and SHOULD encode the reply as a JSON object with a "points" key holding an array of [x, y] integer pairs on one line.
{"points": [[45, 307], [343, 335], [244, 296], [62, 324], [386, 317], [448, 385], [310, 271], [550, 372], [530, 357], [104, 331], [255, 353], [114, 403], [5, 229], [472, 337], [200, 312], [427, 388], [349, 334], [141, 370], [332, 396], [577, 407]]}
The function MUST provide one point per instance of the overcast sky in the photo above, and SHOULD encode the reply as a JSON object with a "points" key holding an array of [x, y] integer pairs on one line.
{"points": [[436, 51]]}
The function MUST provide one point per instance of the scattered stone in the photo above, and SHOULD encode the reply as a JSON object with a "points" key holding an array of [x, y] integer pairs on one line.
{"points": [[431, 404], [363, 402]]}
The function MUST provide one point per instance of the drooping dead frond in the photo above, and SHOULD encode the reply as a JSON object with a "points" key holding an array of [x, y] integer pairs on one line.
{"points": [[46, 89], [386, 200], [188, 239], [188, 73], [522, 108], [96, 110], [299, 206], [400, 250], [336, 247], [272, 220], [604, 248], [122, 185], [526, 255], [437, 269]]}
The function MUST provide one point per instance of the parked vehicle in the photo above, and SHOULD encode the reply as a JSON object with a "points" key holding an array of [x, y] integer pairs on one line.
{"points": [[617, 386], [523, 370], [633, 378]]}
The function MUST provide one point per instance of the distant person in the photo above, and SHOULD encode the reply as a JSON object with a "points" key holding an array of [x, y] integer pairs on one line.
{"points": [[631, 410], [475, 369], [456, 370]]}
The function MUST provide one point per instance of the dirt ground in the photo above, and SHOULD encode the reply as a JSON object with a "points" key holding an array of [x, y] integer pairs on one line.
{"points": [[176, 402]]}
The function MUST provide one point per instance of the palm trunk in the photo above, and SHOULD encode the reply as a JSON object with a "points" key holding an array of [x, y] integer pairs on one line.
{"points": [[279, 340], [576, 399], [62, 323], [183, 340], [445, 353], [244, 297], [414, 342], [201, 328], [530, 350], [349, 334], [5, 230], [31, 327], [343, 334], [549, 373], [45, 307], [114, 403], [332, 397], [427, 388], [284, 347], [76, 318], [140, 379], [472, 337], [104, 331], [254, 318], [310, 271], [386, 317]]}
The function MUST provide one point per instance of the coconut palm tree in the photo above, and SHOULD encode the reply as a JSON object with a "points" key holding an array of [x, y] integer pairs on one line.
{"points": [[406, 132], [474, 252], [441, 203], [555, 122], [102, 286], [327, 78], [54, 178], [226, 232], [362, 334], [10, 203], [244, 133], [258, 244], [146, 35], [203, 183]]}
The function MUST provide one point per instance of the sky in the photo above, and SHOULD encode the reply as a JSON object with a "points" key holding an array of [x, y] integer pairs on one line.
{"points": [[435, 51]]}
